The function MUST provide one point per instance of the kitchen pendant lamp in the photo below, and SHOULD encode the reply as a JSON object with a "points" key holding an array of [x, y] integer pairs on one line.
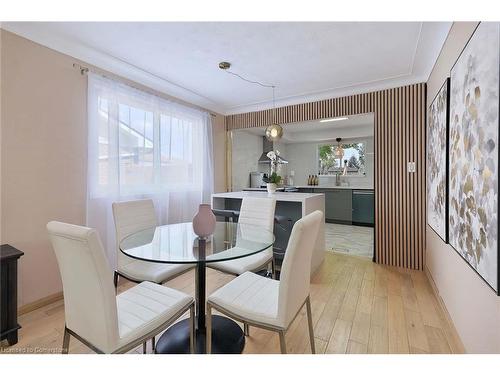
{"points": [[339, 150], [273, 131]]}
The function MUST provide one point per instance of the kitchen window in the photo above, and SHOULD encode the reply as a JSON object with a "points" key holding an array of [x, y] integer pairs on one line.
{"points": [[346, 157]]}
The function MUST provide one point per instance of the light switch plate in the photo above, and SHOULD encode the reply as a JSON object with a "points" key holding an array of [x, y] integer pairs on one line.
{"points": [[412, 167]]}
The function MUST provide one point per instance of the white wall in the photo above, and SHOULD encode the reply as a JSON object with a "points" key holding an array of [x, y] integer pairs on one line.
{"points": [[303, 160], [282, 169], [473, 306], [247, 149]]}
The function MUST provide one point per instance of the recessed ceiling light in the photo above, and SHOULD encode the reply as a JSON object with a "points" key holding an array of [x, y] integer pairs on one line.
{"points": [[334, 119]]}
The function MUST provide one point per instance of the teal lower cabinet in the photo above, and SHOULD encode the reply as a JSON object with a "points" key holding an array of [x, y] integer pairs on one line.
{"points": [[338, 205], [347, 206], [363, 207]]}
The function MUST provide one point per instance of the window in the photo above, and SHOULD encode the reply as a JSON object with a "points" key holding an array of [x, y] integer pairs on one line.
{"points": [[141, 146], [146, 144], [136, 146], [352, 162], [176, 158]]}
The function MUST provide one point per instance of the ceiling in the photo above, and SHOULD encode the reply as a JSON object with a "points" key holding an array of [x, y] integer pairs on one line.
{"points": [[359, 126], [306, 61]]}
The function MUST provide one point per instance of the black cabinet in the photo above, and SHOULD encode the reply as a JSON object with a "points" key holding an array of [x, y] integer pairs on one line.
{"points": [[286, 215], [306, 190], [8, 293], [363, 207]]}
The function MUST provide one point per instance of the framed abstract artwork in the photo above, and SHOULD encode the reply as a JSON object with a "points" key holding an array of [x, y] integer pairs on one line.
{"points": [[437, 162], [473, 153]]}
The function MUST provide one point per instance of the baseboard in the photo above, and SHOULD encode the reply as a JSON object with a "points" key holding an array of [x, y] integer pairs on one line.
{"points": [[359, 224], [40, 303], [447, 315], [50, 299]]}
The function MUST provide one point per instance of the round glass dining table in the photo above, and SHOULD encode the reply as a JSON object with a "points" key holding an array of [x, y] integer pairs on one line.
{"points": [[178, 244]]}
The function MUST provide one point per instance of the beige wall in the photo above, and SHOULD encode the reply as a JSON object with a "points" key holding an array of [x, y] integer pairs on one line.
{"points": [[1, 239], [219, 134], [43, 156], [473, 306]]}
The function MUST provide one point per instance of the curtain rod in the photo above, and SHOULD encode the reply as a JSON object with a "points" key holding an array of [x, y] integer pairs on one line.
{"points": [[84, 70]]}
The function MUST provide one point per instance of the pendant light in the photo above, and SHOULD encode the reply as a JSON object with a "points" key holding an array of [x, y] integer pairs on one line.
{"points": [[339, 150], [274, 131]]}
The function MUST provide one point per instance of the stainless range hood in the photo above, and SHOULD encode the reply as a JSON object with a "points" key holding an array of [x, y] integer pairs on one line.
{"points": [[266, 147]]}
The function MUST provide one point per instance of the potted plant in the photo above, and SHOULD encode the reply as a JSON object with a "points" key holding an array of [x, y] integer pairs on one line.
{"points": [[271, 182]]}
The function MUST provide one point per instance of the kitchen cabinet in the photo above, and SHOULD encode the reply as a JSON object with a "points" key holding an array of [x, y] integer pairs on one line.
{"points": [[347, 206], [338, 205], [306, 190], [363, 207]]}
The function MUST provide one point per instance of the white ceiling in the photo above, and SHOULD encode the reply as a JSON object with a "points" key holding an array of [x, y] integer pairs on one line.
{"points": [[306, 61], [360, 126]]}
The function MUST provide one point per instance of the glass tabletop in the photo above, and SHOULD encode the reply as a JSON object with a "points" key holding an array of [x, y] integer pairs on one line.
{"points": [[177, 243]]}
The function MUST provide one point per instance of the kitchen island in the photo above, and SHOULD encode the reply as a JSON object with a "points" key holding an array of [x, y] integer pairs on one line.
{"points": [[290, 207]]}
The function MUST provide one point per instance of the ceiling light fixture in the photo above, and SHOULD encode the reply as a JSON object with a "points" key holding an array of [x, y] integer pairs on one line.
{"points": [[334, 119], [273, 131]]}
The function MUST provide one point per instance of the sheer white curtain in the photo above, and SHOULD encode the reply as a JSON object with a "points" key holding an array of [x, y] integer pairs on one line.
{"points": [[143, 146]]}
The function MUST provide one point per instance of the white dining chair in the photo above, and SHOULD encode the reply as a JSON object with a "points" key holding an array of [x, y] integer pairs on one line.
{"points": [[257, 212], [271, 304], [131, 217], [104, 322]]}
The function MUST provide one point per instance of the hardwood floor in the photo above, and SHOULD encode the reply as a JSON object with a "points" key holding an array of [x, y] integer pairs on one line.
{"points": [[357, 307], [350, 239]]}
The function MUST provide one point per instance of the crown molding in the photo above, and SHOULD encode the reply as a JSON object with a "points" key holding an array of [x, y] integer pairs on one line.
{"points": [[104, 61]]}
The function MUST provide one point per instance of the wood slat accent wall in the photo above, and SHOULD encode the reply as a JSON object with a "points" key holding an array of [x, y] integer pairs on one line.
{"points": [[400, 215]]}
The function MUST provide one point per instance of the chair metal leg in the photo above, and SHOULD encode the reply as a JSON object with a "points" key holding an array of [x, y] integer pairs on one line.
{"points": [[65, 346], [192, 338], [246, 329], [282, 342], [115, 279], [209, 329], [310, 323], [144, 347], [153, 343]]}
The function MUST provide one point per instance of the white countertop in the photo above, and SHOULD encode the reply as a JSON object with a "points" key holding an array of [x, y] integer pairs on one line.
{"points": [[352, 187], [285, 197]]}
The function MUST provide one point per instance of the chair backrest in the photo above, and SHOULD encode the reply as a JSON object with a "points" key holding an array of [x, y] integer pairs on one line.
{"points": [[295, 272], [131, 217], [89, 295], [258, 212]]}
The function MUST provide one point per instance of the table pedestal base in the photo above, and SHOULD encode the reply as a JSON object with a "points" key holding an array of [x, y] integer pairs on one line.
{"points": [[227, 338]]}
